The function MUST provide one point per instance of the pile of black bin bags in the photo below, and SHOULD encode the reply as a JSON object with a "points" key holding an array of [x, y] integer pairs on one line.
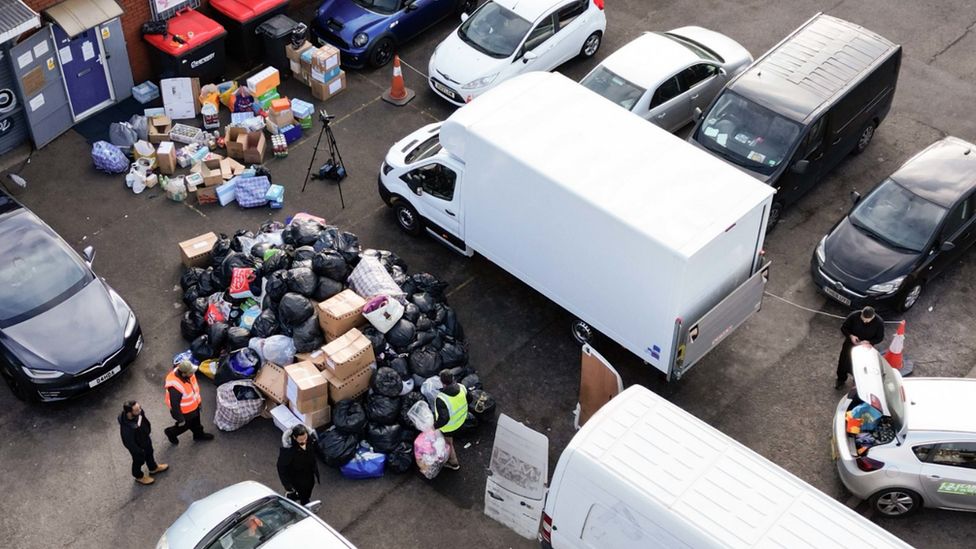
{"points": [[295, 266]]}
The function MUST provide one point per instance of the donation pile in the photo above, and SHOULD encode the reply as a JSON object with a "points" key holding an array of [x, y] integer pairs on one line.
{"points": [[341, 339]]}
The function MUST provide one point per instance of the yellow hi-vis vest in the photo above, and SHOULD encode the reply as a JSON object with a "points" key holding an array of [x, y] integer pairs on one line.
{"points": [[457, 408]]}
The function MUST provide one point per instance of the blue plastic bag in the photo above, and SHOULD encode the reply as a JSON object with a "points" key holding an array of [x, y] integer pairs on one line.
{"points": [[109, 158], [869, 416], [365, 464]]}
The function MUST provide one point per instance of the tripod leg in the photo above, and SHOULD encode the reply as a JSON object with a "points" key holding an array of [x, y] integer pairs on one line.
{"points": [[315, 150]]}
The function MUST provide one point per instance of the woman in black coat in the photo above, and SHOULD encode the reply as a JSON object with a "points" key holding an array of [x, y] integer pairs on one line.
{"points": [[296, 464]]}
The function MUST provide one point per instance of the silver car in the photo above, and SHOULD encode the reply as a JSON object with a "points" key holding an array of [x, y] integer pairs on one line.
{"points": [[664, 76], [917, 445]]}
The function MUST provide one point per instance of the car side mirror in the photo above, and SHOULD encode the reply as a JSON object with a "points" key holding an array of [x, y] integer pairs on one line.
{"points": [[464, 16], [410, 6], [855, 197], [722, 71], [314, 506], [800, 166], [529, 56], [89, 253], [698, 113], [947, 246]]}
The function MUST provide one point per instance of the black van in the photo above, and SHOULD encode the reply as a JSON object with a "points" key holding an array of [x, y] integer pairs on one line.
{"points": [[801, 108]]}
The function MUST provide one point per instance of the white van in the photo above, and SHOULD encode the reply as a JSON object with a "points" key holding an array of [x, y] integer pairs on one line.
{"points": [[644, 473]]}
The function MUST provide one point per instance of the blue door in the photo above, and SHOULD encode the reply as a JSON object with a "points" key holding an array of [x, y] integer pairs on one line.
{"points": [[84, 74]]}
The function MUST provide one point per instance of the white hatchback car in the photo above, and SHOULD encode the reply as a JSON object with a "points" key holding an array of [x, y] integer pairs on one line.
{"points": [[249, 514], [664, 76], [919, 449], [504, 38]]}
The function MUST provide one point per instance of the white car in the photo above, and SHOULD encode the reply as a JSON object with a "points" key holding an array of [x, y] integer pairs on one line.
{"points": [[919, 447], [249, 514], [504, 38], [664, 76]]}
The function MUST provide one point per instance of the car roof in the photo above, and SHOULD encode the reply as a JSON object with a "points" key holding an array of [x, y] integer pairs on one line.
{"points": [[205, 514], [649, 59], [942, 173], [530, 9], [820, 60], [941, 404], [309, 534]]}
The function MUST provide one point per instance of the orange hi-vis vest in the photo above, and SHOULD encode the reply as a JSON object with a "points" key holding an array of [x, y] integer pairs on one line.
{"points": [[189, 389]]}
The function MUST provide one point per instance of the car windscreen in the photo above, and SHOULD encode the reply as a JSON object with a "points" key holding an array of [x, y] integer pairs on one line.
{"points": [[698, 49], [747, 134], [615, 88], [898, 217], [386, 7], [425, 150], [256, 526], [894, 393], [36, 268], [494, 30]]}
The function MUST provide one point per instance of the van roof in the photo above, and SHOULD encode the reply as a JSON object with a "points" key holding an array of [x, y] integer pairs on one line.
{"points": [[941, 404], [645, 177], [820, 60], [717, 487]]}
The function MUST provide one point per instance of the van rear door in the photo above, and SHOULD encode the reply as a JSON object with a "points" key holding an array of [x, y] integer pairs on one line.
{"points": [[517, 477]]}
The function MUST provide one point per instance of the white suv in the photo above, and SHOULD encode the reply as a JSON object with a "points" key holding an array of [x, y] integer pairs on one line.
{"points": [[917, 445]]}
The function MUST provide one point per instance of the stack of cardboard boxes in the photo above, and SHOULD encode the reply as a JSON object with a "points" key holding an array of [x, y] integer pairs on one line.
{"points": [[308, 394], [319, 68]]}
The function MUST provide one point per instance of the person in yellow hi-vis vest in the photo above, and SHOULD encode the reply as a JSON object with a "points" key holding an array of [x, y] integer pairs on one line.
{"points": [[450, 411], [183, 400]]}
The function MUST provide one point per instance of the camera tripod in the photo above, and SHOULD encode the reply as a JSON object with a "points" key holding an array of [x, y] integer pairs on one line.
{"points": [[333, 169]]}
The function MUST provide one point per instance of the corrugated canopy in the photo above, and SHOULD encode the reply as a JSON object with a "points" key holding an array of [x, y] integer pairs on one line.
{"points": [[15, 19], [77, 16]]}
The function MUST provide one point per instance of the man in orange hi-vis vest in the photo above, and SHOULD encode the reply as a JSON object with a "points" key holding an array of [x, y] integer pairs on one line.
{"points": [[183, 401]]}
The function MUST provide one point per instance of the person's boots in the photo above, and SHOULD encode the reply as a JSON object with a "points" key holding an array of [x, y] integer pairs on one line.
{"points": [[169, 434], [160, 467], [145, 480], [203, 436]]}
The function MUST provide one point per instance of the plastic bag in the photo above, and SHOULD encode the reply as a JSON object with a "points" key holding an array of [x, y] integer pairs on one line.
{"points": [[451, 326], [308, 335], [330, 263], [411, 312], [375, 338], [209, 368], [266, 324], [301, 232], [110, 159], [400, 459], [122, 135], [421, 339], [185, 355], [401, 334], [481, 404], [383, 438], [190, 277], [240, 282], [218, 336], [430, 387], [303, 253], [275, 286], [348, 416], [140, 124], [302, 280], [471, 381], [420, 416], [192, 325], [336, 448], [399, 364], [387, 382], [425, 362], [364, 464], [201, 348], [454, 354], [244, 362], [426, 282], [382, 409], [210, 94], [276, 349], [221, 249], [326, 288], [408, 386], [294, 309], [277, 261], [237, 337], [383, 312], [248, 316], [406, 403], [430, 450], [369, 278], [243, 100], [234, 260], [388, 259], [226, 94]]}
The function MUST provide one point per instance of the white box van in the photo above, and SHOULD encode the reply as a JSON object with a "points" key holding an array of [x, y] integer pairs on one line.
{"points": [[643, 473], [646, 238]]}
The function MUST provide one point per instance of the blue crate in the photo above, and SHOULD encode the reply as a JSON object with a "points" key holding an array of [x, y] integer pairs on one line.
{"points": [[145, 92]]}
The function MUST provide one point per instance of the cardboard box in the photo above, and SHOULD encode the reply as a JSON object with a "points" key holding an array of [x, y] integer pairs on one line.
{"points": [[284, 418], [272, 382], [166, 158], [341, 313], [295, 57], [207, 195], [315, 418], [234, 149], [325, 58], [195, 252], [310, 404], [227, 192], [159, 128], [265, 80], [316, 357], [348, 354], [305, 382], [351, 387], [210, 170], [327, 90], [281, 104], [254, 146]]}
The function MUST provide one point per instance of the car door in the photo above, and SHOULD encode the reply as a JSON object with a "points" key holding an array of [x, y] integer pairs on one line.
{"points": [[669, 109], [958, 229], [540, 41], [416, 16], [703, 82], [794, 184], [569, 20], [948, 475], [438, 198], [518, 472]]}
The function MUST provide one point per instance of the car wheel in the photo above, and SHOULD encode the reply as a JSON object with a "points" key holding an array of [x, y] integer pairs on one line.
{"points": [[407, 218], [16, 386], [896, 502], [382, 52], [863, 140], [583, 333], [775, 213], [591, 45], [911, 297]]}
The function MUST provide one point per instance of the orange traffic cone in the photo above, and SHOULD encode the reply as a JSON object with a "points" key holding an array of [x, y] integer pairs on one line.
{"points": [[398, 94], [894, 353]]}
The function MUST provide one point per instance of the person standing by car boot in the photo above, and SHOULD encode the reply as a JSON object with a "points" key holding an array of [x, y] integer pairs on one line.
{"points": [[862, 327], [183, 401], [296, 464], [135, 429], [450, 412]]}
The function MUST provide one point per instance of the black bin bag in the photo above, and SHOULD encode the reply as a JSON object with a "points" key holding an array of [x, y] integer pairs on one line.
{"points": [[348, 416], [336, 448]]}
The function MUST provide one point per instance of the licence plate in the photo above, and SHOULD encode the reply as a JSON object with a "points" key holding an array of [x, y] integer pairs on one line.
{"points": [[106, 375], [444, 89], [843, 299]]}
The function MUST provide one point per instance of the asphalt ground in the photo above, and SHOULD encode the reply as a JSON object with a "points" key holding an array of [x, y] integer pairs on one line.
{"points": [[65, 476]]}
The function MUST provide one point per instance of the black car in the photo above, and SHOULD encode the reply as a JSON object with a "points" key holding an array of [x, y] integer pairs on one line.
{"points": [[63, 330], [904, 232]]}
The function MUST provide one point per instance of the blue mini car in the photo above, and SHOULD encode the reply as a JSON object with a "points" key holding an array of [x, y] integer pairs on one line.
{"points": [[368, 32]]}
